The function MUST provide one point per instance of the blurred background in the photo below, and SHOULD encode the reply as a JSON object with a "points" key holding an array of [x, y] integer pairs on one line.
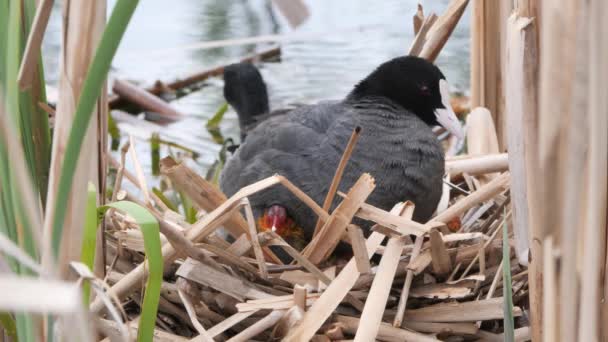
{"points": [[338, 44]]}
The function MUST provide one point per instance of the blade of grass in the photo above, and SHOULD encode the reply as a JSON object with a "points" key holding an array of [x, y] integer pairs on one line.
{"points": [[121, 15], [89, 237], [214, 122], [150, 230], [509, 323], [164, 198], [155, 153], [8, 324]]}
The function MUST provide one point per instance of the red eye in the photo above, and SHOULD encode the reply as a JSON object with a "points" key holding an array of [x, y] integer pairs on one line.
{"points": [[424, 90]]}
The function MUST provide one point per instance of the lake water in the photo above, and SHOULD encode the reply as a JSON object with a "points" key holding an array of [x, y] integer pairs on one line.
{"points": [[341, 42]]}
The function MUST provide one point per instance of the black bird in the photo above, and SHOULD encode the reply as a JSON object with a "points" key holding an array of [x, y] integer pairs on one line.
{"points": [[395, 106]]}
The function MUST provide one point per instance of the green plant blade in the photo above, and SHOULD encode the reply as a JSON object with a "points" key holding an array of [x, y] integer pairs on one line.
{"points": [[164, 198], [150, 230], [8, 324], [112, 35], [507, 291], [214, 122], [89, 237]]}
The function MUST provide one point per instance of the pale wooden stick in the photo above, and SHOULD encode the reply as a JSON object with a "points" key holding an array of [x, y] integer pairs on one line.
{"points": [[549, 314], [29, 61], [335, 182], [375, 304], [139, 172], [495, 281], [406, 285], [263, 324]]}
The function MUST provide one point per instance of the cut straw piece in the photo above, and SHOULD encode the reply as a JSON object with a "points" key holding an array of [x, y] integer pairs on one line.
{"points": [[299, 296], [326, 241], [220, 281], [420, 38], [442, 264], [371, 317], [478, 165], [406, 285], [399, 224], [442, 29], [418, 19], [246, 335], [357, 241], [227, 324], [486, 192], [255, 243], [385, 331], [203, 334], [481, 310], [335, 182], [333, 295]]}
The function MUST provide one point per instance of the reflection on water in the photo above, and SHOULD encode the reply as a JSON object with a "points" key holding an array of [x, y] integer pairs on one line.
{"points": [[348, 39]]}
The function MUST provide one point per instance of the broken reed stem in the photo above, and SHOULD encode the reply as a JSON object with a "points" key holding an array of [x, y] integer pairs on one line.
{"points": [[486, 192], [255, 243], [371, 317], [29, 62], [335, 182], [407, 284], [270, 320], [192, 314]]}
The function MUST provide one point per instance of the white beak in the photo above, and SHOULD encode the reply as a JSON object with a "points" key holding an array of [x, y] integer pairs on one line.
{"points": [[445, 116]]}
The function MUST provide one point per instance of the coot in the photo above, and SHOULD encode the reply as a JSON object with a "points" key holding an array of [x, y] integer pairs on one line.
{"points": [[395, 106]]}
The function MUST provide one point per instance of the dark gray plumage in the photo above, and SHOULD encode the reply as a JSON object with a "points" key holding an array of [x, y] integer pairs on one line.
{"points": [[396, 146]]}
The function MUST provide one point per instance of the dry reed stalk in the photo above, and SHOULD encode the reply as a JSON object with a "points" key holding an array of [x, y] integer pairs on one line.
{"points": [[29, 62], [371, 317], [406, 285], [299, 296], [597, 185], [442, 264], [253, 238], [521, 85], [442, 29], [418, 19], [486, 64], [328, 237], [192, 314], [335, 292], [357, 241], [481, 310], [437, 328], [220, 281], [385, 331], [82, 31], [478, 165], [420, 39], [549, 330], [486, 192], [335, 182], [481, 135], [227, 323], [270, 320], [145, 100]]}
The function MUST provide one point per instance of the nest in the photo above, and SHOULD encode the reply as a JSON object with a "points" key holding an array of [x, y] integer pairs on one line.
{"points": [[439, 280]]}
